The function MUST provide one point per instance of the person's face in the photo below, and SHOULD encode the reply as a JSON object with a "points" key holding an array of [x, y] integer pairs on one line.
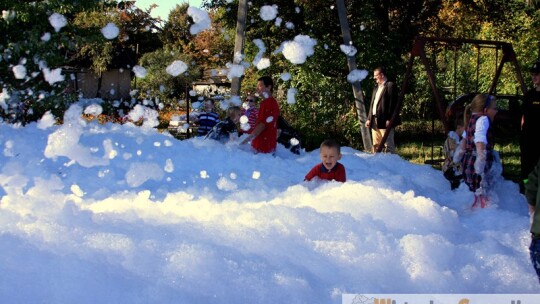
{"points": [[492, 110], [262, 89], [251, 102], [460, 129], [236, 117], [329, 157], [536, 79], [379, 77], [208, 105]]}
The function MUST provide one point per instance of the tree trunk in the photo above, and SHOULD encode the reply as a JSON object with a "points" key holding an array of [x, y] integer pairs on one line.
{"points": [[357, 89], [239, 43]]}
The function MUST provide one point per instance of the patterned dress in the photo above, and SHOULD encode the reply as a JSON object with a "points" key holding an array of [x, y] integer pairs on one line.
{"points": [[472, 178]]}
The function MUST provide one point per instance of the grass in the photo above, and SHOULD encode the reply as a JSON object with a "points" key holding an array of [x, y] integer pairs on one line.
{"points": [[418, 143]]}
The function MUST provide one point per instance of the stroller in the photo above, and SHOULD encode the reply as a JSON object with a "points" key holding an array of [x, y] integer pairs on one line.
{"points": [[222, 131], [288, 136]]}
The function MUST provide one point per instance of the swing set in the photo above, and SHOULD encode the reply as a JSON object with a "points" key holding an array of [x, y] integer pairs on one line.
{"points": [[448, 111]]}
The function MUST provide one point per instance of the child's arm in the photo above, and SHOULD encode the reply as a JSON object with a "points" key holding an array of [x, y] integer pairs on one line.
{"points": [[460, 150], [233, 135], [480, 141], [314, 172], [256, 131], [341, 176]]}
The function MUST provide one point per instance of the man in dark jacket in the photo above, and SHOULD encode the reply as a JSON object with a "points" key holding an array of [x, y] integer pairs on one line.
{"points": [[384, 102]]}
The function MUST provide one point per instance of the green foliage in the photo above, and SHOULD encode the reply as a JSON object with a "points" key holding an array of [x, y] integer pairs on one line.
{"points": [[93, 48], [323, 111], [382, 31], [158, 85], [208, 49], [324, 102], [510, 21], [32, 45], [176, 31], [422, 142], [465, 68]]}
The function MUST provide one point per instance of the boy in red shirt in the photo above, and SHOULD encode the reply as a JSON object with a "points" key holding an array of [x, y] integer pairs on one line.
{"points": [[264, 136], [329, 168]]}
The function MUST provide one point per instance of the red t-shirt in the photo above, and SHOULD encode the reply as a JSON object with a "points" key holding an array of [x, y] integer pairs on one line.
{"points": [[337, 173], [266, 142]]}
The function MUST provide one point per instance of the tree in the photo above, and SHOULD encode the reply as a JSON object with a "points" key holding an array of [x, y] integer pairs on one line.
{"points": [[159, 88], [206, 48], [35, 44], [512, 21], [136, 35], [382, 33], [175, 32], [239, 41], [30, 48]]}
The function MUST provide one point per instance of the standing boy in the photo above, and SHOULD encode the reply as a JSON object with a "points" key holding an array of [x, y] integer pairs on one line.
{"points": [[264, 136], [329, 168]]}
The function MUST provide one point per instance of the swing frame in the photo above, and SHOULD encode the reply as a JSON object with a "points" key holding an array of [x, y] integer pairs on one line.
{"points": [[419, 50]]}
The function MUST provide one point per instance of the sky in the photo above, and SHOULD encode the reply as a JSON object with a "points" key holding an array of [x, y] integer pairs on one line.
{"points": [[165, 6], [118, 213]]}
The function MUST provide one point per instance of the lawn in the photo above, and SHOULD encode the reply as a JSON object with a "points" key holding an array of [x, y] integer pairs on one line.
{"points": [[422, 143]]}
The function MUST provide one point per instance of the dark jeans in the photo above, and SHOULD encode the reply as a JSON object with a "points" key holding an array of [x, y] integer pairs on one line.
{"points": [[534, 250]]}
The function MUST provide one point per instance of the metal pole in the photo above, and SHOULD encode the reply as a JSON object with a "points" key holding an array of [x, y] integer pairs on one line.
{"points": [[477, 69], [239, 43], [187, 111], [357, 89], [136, 59]]}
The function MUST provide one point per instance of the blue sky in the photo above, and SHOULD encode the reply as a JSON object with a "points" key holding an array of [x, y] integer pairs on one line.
{"points": [[165, 6]]}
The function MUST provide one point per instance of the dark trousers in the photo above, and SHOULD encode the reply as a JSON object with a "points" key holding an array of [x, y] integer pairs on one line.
{"points": [[534, 251], [529, 154]]}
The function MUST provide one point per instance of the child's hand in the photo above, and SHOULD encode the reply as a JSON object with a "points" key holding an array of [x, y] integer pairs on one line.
{"points": [[480, 162], [245, 141]]}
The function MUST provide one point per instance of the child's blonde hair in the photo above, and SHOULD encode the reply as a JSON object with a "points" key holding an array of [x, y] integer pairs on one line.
{"points": [[233, 111], [479, 103]]}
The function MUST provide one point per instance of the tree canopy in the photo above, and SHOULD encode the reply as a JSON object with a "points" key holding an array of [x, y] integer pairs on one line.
{"points": [[382, 32]]}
